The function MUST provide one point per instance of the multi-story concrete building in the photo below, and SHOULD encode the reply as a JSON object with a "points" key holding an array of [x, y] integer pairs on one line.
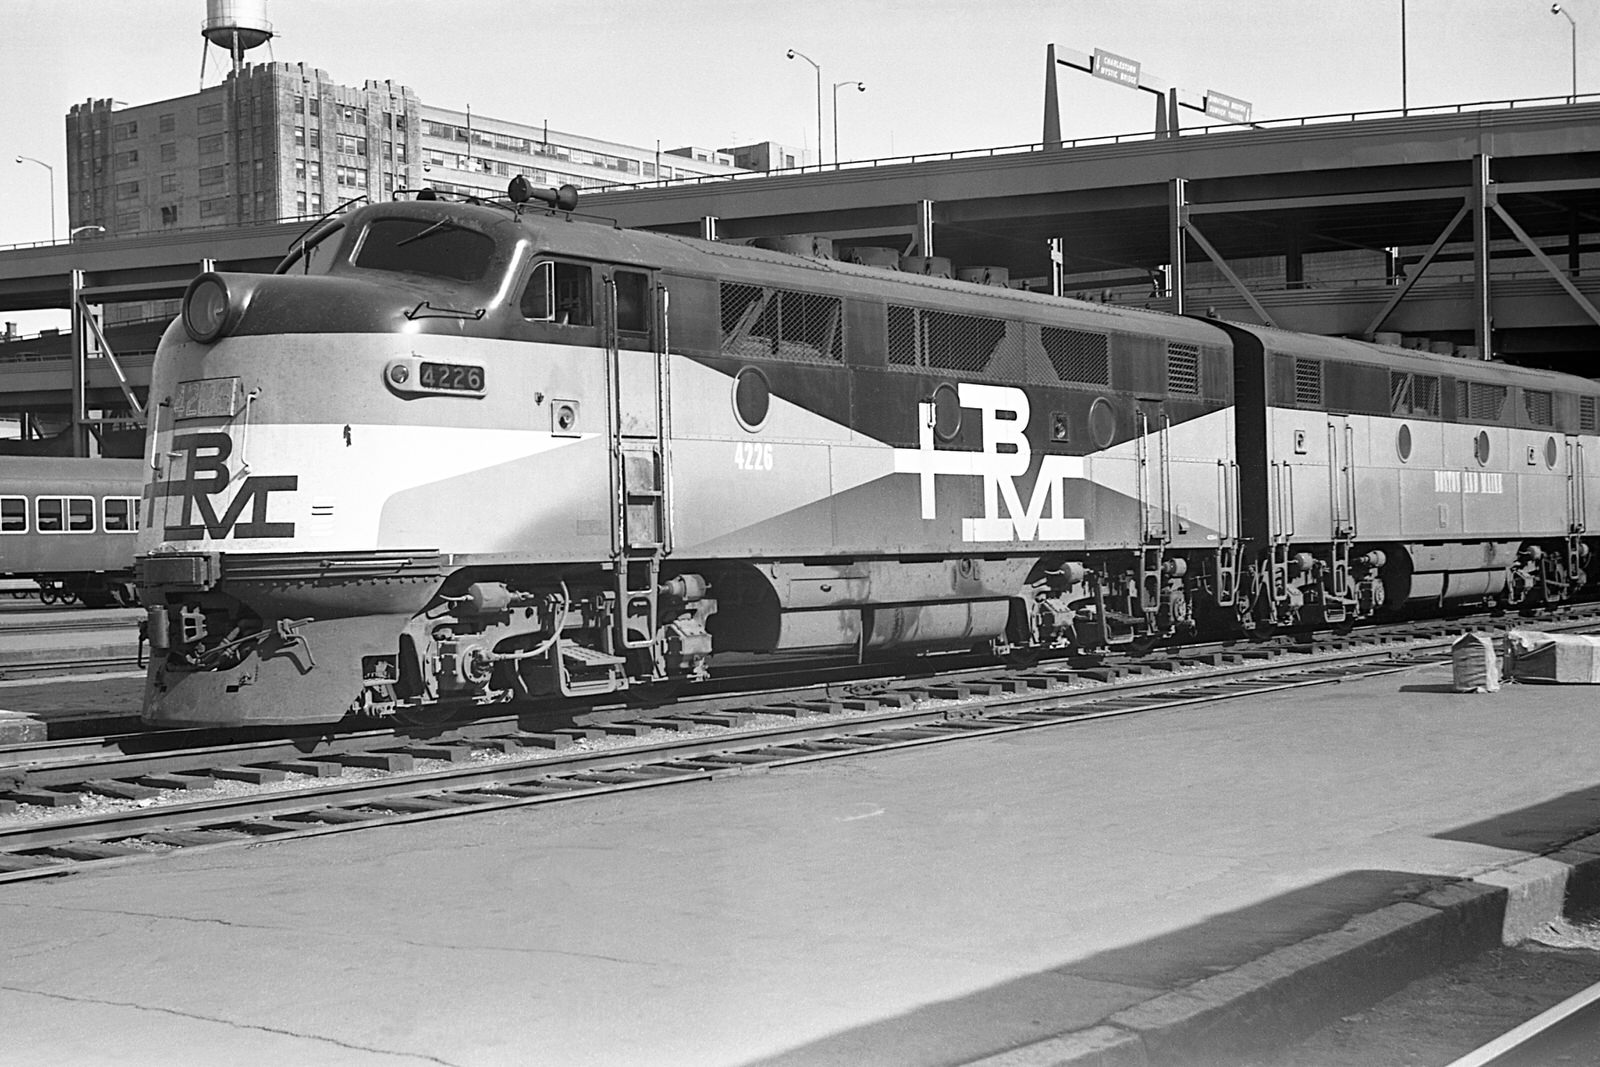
{"points": [[280, 140], [283, 141]]}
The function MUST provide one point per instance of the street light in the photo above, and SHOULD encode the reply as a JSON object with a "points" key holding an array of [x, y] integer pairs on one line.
{"points": [[52, 170], [72, 234], [1557, 9], [860, 86], [808, 59]]}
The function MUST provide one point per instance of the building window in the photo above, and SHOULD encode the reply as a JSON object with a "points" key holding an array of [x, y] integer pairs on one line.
{"points": [[210, 145], [313, 105], [127, 159], [127, 190], [169, 214], [300, 202], [127, 222], [126, 130], [314, 138], [169, 183], [208, 114], [216, 207], [299, 136], [169, 152], [299, 103], [212, 176], [300, 170], [168, 123]]}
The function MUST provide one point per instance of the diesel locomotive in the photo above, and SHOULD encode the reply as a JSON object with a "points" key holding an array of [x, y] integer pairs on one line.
{"points": [[70, 525], [462, 452]]}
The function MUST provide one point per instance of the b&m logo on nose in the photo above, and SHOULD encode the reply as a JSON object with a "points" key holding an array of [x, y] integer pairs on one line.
{"points": [[203, 458]]}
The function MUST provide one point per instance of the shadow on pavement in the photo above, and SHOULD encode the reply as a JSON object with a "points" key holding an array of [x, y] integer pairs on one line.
{"points": [[1538, 828], [1080, 994]]}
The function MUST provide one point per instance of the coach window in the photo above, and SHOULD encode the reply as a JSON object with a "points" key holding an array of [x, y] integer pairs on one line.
{"points": [[80, 514], [121, 514], [49, 514], [561, 293], [13, 514]]}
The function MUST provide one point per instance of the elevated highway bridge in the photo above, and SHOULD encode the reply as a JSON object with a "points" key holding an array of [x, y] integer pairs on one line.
{"points": [[1464, 229]]}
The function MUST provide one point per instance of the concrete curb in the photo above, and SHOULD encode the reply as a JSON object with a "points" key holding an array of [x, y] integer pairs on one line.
{"points": [[23, 657], [1293, 991]]}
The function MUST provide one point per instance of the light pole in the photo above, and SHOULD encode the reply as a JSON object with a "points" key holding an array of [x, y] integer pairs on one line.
{"points": [[1403, 102], [72, 234], [793, 54], [52, 170], [861, 87], [1557, 9]]}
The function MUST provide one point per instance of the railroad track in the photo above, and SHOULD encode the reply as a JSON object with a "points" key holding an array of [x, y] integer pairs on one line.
{"points": [[83, 804], [275, 790]]}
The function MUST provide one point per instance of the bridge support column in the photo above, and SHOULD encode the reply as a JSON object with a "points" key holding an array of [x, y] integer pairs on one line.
{"points": [[1177, 221], [708, 227], [79, 427], [1482, 202], [924, 227], [1058, 256]]}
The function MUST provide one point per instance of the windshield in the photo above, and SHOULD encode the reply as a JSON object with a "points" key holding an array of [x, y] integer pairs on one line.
{"points": [[316, 256], [441, 248]]}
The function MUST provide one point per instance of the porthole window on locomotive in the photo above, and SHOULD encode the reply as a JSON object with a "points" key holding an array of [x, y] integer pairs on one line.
{"points": [[946, 412], [1402, 442], [1480, 447], [752, 398], [1102, 422], [1551, 453]]}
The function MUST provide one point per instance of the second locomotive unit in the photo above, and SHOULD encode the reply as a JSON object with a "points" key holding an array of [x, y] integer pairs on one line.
{"points": [[463, 452]]}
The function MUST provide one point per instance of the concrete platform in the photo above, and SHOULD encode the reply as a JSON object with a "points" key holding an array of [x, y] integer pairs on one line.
{"points": [[1170, 887]]}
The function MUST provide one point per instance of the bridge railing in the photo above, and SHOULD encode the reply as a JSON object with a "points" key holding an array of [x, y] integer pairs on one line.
{"points": [[1291, 123]]}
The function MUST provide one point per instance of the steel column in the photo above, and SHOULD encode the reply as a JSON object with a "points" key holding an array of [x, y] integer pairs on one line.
{"points": [[80, 367], [1482, 200], [924, 227], [708, 227], [1177, 221]]}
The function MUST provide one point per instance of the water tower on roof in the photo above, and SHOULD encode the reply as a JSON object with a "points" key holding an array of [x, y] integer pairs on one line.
{"points": [[234, 25]]}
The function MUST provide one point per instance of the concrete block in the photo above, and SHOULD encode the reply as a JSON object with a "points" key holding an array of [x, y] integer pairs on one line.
{"points": [[1473, 917], [1098, 1046], [1292, 991], [1536, 892], [18, 727]]}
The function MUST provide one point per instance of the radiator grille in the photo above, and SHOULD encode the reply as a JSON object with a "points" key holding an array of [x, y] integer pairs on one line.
{"points": [[781, 324], [1480, 401], [1308, 382], [1537, 402], [1078, 356], [942, 339], [1586, 419], [1183, 369]]}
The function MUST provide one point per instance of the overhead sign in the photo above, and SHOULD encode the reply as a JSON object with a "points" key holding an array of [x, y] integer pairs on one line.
{"points": [[1116, 68], [1226, 108]]}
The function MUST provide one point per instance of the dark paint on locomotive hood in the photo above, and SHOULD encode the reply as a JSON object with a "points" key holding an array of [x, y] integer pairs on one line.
{"points": [[372, 303]]}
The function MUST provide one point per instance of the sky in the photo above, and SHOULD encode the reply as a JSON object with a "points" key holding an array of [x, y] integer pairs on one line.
{"points": [[941, 75]]}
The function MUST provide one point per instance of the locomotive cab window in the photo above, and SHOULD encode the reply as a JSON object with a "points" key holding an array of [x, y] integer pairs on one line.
{"points": [[439, 248], [633, 301], [561, 293], [13, 514]]}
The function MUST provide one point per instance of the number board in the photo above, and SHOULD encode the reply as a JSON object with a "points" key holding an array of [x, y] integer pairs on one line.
{"points": [[451, 377]]}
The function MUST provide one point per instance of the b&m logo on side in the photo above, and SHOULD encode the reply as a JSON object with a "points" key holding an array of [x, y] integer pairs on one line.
{"points": [[204, 461], [1006, 456]]}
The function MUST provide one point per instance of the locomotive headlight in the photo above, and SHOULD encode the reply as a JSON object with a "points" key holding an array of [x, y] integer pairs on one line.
{"points": [[206, 308]]}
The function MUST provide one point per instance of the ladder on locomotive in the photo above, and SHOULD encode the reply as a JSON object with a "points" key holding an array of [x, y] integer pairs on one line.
{"points": [[1155, 506], [642, 534]]}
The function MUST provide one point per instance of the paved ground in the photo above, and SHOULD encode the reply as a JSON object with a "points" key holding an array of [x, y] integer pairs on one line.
{"points": [[926, 907]]}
